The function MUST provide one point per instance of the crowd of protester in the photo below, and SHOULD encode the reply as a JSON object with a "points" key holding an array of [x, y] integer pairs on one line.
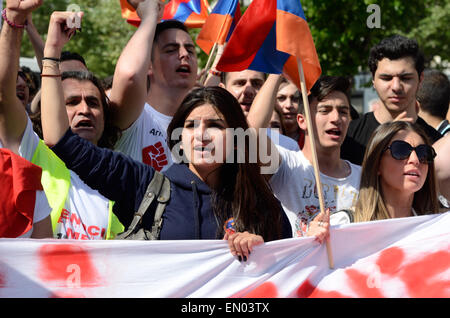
{"points": [[78, 153]]}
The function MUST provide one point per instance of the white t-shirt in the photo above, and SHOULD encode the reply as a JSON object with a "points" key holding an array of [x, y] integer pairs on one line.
{"points": [[282, 140], [85, 215], [146, 139], [294, 185]]}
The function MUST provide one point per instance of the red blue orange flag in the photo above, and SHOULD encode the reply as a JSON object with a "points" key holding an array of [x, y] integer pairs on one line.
{"points": [[192, 13], [269, 38], [129, 13], [219, 25]]}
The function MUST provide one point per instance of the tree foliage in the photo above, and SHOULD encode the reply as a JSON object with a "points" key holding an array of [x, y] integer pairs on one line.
{"points": [[339, 29], [343, 38], [104, 33]]}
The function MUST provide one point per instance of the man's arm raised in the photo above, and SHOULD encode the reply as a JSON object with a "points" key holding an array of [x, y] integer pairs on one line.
{"points": [[36, 40], [129, 90], [13, 116], [264, 103], [53, 111], [259, 118]]}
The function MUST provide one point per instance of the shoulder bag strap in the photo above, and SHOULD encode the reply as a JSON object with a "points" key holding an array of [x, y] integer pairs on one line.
{"points": [[151, 193], [163, 198]]}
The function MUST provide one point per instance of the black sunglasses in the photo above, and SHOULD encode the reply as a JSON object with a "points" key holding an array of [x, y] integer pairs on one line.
{"points": [[401, 150]]}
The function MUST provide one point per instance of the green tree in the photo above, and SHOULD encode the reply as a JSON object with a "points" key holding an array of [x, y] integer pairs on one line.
{"points": [[339, 28], [433, 32], [343, 38], [103, 36]]}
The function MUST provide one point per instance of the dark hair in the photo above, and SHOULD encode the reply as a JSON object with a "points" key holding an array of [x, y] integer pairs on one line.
{"points": [[111, 133], [160, 28], [32, 79], [243, 193], [434, 93], [168, 24], [68, 56], [107, 82], [324, 86], [396, 47], [224, 75]]}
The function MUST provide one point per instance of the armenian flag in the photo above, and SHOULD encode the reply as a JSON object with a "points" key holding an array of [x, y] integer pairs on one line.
{"points": [[192, 13], [219, 25], [270, 37]]}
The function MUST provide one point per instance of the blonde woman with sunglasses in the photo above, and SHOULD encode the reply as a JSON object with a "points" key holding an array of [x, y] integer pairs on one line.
{"points": [[398, 175]]}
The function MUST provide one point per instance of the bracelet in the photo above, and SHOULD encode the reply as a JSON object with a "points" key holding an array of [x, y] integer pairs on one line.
{"points": [[12, 24], [228, 227], [51, 59], [50, 75], [215, 73]]}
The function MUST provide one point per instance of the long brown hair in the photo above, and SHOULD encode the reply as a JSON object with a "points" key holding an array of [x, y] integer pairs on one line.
{"points": [[243, 193], [370, 205]]}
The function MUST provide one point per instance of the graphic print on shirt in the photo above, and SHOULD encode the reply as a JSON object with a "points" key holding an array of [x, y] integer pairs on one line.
{"points": [[145, 140], [335, 196], [154, 155], [71, 226], [84, 212]]}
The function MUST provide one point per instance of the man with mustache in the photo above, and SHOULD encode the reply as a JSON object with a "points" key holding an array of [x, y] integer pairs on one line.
{"points": [[397, 68]]}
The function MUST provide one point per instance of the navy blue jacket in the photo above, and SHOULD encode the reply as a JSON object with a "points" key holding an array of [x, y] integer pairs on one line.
{"points": [[188, 214]]}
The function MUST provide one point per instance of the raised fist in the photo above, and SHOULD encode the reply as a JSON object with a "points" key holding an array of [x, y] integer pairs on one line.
{"points": [[17, 10], [154, 156], [146, 8], [61, 28]]}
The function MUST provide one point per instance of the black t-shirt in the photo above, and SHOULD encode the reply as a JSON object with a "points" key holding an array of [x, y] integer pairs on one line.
{"points": [[360, 131]]}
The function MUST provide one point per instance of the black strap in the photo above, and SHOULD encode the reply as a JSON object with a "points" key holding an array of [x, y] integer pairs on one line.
{"points": [[444, 127]]}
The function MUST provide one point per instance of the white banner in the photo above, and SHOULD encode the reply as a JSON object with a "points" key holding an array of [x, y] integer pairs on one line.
{"points": [[407, 257]]}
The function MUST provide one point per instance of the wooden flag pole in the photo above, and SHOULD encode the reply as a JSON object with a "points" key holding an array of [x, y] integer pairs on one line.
{"points": [[313, 152], [214, 48], [208, 63]]}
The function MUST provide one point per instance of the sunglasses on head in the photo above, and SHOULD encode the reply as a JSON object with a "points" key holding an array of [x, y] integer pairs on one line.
{"points": [[24, 76], [401, 150]]}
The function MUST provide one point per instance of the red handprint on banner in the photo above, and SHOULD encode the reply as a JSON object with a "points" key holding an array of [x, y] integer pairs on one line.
{"points": [[421, 277], [68, 268]]}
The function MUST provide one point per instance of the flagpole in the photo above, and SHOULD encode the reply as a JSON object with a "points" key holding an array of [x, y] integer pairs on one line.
{"points": [[215, 46], [314, 153], [208, 63]]}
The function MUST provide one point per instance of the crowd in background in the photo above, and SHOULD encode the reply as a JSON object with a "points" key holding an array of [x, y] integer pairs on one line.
{"points": [[78, 153]]}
